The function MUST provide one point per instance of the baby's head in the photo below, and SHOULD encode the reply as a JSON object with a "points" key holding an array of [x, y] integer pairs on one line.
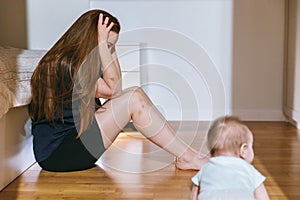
{"points": [[228, 136]]}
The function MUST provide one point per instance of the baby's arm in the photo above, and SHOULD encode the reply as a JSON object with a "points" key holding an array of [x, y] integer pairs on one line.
{"points": [[261, 193], [195, 192]]}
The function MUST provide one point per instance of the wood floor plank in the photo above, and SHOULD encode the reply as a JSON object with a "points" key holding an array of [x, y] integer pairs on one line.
{"points": [[277, 156]]}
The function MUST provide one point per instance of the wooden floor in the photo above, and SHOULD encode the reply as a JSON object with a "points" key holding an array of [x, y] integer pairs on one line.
{"points": [[135, 169]]}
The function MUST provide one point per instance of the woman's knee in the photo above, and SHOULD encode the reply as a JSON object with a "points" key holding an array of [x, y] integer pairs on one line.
{"points": [[138, 95]]}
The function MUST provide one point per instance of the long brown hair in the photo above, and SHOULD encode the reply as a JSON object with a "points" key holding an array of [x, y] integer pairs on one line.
{"points": [[71, 66]]}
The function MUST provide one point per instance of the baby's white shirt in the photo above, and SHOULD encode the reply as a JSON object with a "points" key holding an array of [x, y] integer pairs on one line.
{"points": [[227, 178]]}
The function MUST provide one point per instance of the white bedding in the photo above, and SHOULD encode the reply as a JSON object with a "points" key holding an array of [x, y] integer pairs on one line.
{"points": [[16, 68]]}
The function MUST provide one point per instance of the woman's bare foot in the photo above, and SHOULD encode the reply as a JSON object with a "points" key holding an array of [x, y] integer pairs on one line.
{"points": [[194, 163]]}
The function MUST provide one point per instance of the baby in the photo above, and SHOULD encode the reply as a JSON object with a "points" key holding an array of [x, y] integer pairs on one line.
{"points": [[228, 173]]}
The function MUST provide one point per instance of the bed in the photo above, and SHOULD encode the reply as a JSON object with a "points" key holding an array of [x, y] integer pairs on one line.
{"points": [[16, 155]]}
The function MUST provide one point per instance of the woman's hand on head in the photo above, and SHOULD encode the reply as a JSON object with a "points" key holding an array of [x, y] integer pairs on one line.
{"points": [[103, 29], [110, 84]]}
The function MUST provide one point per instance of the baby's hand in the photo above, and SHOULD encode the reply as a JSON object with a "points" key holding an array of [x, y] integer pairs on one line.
{"points": [[103, 29]]}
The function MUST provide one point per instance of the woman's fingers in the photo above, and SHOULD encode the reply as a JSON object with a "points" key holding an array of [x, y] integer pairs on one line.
{"points": [[110, 26], [106, 20], [104, 28], [100, 21], [105, 23]]}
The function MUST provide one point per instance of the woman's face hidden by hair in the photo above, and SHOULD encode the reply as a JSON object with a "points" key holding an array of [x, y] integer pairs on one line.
{"points": [[112, 40]]}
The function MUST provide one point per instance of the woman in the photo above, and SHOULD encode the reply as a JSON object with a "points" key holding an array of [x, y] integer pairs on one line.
{"points": [[82, 66]]}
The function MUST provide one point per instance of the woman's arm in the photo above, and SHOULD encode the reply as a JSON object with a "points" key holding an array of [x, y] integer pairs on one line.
{"points": [[111, 83], [195, 192], [115, 59], [261, 193]]}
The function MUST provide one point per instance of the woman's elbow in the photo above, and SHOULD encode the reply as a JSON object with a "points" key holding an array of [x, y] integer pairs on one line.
{"points": [[107, 90], [108, 93], [115, 90]]}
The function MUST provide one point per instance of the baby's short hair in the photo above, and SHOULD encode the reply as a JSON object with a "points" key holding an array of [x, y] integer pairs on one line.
{"points": [[227, 134]]}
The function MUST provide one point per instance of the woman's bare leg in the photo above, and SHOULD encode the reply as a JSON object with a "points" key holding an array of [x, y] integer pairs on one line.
{"points": [[134, 105]]}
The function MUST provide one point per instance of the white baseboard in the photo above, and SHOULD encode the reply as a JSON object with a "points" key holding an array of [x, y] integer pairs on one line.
{"points": [[293, 116], [243, 114]]}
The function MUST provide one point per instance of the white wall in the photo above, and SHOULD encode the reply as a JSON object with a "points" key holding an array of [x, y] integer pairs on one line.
{"points": [[179, 32], [242, 39], [48, 20]]}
